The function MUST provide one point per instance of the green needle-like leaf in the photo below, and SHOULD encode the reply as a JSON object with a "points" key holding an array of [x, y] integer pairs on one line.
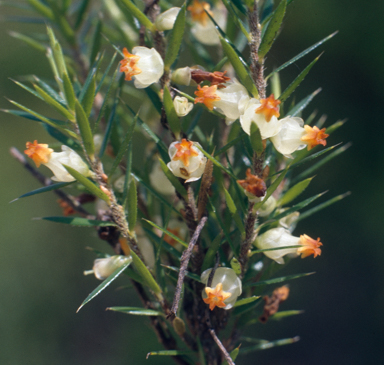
{"points": [[79, 222], [169, 353], [187, 274], [209, 258], [170, 234], [278, 280], [233, 210], [90, 186], [302, 54], [284, 314], [69, 92], [146, 275], [43, 190], [246, 301], [256, 140], [294, 192], [175, 38], [299, 107], [104, 284], [172, 118], [138, 14], [85, 129], [321, 206], [272, 29], [132, 205], [173, 180], [268, 345], [240, 67], [136, 311], [292, 87]]}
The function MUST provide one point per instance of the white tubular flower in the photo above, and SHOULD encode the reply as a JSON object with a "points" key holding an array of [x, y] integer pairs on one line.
{"points": [[294, 136], [159, 181], [264, 113], [187, 161], [203, 28], [166, 20], [225, 100], [41, 154], [230, 97], [280, 237], [182, 106], [144, 64], [103, 268], [224, 290]]}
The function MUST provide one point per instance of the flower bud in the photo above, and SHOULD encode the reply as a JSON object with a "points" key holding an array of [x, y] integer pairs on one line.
{"points": [[166, 20], [268, 207], [103, 268], [179, 326], [224, 290], [187, 161], [289, 222], [182, 106], [181, 76]]}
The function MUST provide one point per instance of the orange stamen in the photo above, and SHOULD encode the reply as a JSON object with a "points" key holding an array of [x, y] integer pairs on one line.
{"points": [[129, 65], [216, 297], [314, 136], [253, 184], [184, 152], [310, 246], [206, 95], [198, 13], [269, 107], [38, 152]]}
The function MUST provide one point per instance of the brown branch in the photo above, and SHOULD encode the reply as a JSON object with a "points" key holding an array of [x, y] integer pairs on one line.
{"points": [[257, 64], [183, 268], [249, 236], [46, 181], [221, 347]]}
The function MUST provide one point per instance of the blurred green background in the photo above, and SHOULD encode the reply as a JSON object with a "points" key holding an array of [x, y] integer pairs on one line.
{"points": [[41, 263]]}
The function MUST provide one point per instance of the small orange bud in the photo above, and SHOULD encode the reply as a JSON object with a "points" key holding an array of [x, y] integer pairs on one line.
{"points": [[253, 184]]}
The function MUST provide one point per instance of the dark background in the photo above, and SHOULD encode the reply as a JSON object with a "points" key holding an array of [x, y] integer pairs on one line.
{"points": [[41, 263]]}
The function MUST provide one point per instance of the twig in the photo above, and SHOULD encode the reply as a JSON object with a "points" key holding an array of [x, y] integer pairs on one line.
{"points": [[46, 181], [257, 64], [183, 267], [221, 347]]}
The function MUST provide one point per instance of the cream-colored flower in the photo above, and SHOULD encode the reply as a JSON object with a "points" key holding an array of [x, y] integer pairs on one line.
{"points": [[255, 112], [294, 136], [182, 106], [166, 20], [225, 100], [280, 237], [145, 65], [103, 268], [187, 161], [203, 28], [224, 290], [181, 76], [41, 154]]}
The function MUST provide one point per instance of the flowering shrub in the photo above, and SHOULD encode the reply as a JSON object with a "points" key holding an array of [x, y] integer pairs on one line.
{"points": [[201, 212]]}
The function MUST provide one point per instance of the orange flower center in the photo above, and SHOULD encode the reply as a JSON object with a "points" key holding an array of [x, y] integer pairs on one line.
{"points": [[184, 152], [310, 246], [129, 65], [314, 136], [38, 152], [269, 107], [253, 184], [216, 296], [206, 95], [198, 13]]}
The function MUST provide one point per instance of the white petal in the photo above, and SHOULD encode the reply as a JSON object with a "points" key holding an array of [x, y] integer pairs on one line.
{"points": [[151, 65], [166, 20]]}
